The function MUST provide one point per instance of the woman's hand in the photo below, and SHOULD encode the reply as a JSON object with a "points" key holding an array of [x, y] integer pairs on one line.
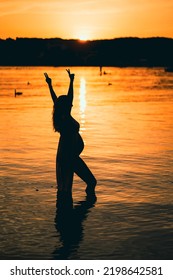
{"points": [[71, 76], [48, 80]]}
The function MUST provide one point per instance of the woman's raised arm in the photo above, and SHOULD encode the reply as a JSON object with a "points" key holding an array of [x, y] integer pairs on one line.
{"points": [[70, 90], [49, 82]]}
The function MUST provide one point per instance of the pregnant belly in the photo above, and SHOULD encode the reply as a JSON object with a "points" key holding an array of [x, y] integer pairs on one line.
{"points": [[79, 144], [70, 145]]}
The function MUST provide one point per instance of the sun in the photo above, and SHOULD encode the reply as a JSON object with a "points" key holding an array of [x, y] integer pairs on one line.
{"points": [[83, 38]]}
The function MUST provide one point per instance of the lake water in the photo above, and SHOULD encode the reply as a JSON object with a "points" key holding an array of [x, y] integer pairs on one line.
{"points": [[126, 118]]}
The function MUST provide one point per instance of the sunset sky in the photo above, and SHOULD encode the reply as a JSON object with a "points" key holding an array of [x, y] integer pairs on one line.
{"points": [[86, 19]]}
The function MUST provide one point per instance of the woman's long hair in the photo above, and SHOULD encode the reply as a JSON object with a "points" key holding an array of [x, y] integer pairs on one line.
{"points": [[60, 111]]}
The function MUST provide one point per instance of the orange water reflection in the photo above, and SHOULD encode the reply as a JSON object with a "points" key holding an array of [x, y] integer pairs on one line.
{"points": [[127, 129]]}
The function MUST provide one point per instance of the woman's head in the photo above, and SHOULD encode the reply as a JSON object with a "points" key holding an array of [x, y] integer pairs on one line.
{"points": [[61, 110]]}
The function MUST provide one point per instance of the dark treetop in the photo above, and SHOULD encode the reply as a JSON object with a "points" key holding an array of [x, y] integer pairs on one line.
{"points": [[150, 52]]}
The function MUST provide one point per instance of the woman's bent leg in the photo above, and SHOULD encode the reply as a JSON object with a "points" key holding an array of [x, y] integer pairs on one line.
{"points": [[82, 170]]}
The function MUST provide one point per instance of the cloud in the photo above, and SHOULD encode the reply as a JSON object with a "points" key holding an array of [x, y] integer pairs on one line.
{"points": [[11, 7], [87, 7]]}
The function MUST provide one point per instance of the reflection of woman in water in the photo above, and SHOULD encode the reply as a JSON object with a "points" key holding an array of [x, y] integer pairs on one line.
{"points": [[69, 223], [71, 145]]}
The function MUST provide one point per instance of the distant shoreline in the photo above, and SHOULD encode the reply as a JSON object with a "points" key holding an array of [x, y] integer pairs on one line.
{"points": [[119, 52]]}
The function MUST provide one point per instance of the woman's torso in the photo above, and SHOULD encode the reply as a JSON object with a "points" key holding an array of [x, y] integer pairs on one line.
{"points": [[70, 137]]}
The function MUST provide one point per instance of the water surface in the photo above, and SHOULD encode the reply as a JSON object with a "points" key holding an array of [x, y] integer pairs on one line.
{"points": [[126, 119]]}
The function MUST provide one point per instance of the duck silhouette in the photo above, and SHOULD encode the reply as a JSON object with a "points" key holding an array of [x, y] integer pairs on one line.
{"points": [[17, 93]]}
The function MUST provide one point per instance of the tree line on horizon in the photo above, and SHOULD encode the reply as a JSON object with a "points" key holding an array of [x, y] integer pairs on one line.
{"points": [[121, 52]]}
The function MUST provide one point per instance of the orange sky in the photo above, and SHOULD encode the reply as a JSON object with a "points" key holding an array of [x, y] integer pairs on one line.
{"points": [[87, 19]]}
